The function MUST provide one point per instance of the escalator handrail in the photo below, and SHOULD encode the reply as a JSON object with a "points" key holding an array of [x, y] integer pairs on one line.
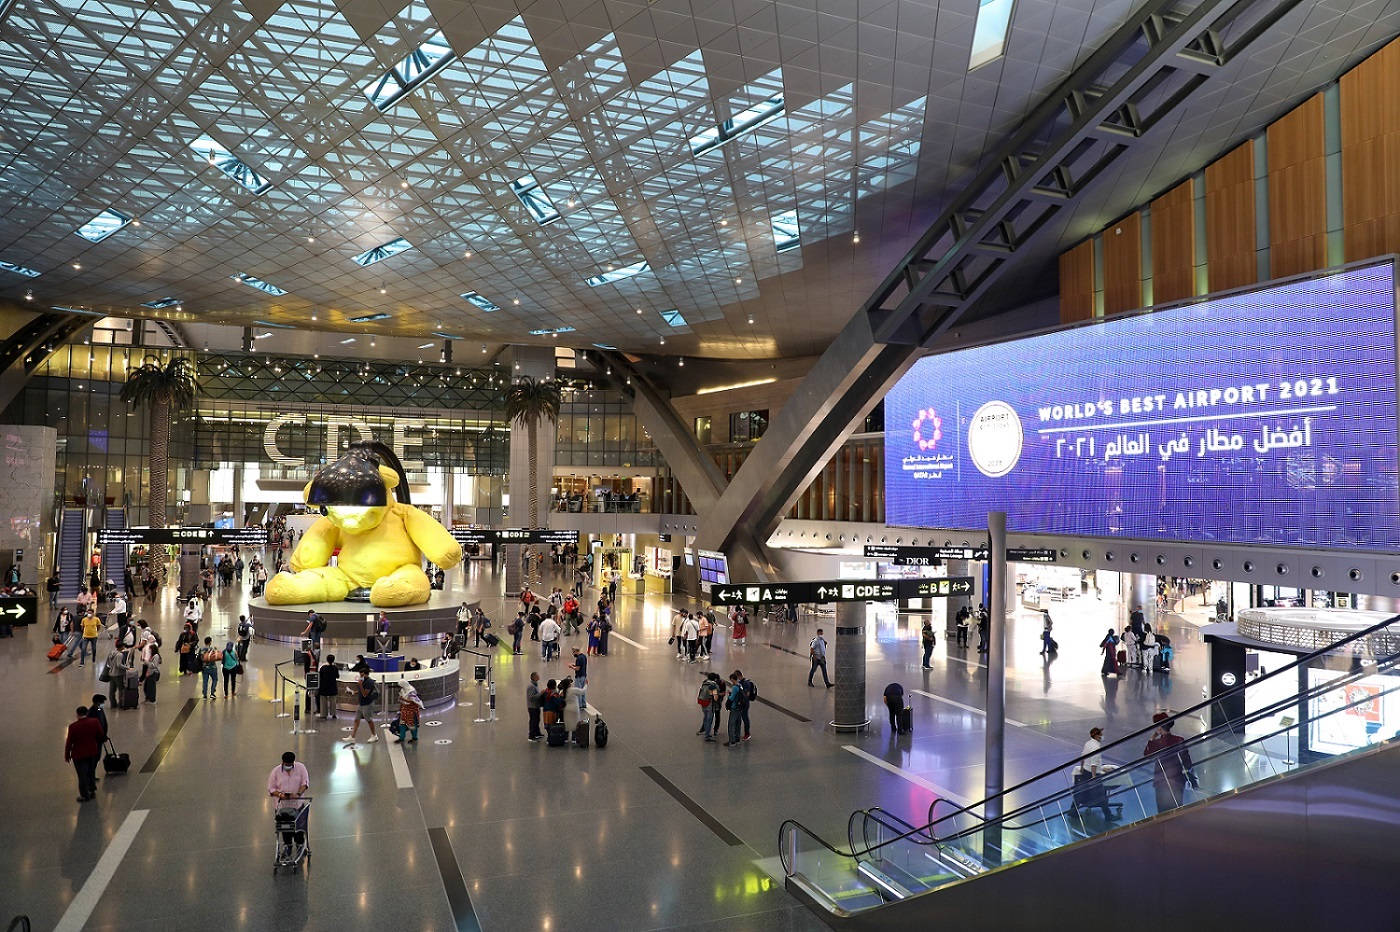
{"points": [[1190, 712], [925, 832], [1197, 740]]}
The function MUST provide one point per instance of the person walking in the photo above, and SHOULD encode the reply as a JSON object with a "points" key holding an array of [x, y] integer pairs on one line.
{"points": [[87, 644], [315, 624], [1109, 648], [150, 670], [410, 706], [186, 646], [740, 626], [736, 703], [928, 638], [245, 637], [1149, 648], [327, 687], [549, 638], [516, 628], [82, 747], [1171, 771], [1046, 641], [532, 707], [119, 610], [232, 668], [705, 631], [816, 651], [209, 659], [708, 698], [984, 620], [690, 633], [52, 585], [593, 634], [366, 694]]}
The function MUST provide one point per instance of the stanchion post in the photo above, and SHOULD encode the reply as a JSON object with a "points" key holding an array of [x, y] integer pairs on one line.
{"points": [[282, 694], [296, 710]]}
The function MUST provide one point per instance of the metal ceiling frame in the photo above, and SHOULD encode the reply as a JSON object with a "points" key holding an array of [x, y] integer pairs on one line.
{"points": [[1149, 66]]}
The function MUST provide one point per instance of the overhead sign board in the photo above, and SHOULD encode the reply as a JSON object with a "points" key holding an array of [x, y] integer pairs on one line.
{"points": [[486, 535], [933, 556], [1280, 427], [840, 590], [156, 536], [18, 609]]}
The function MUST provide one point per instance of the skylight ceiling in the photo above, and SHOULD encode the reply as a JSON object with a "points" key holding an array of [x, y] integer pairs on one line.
{"points": [[521, 148], [380, 253], [102, 226]]}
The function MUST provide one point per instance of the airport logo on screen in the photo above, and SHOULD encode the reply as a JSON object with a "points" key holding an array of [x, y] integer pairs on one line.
{"points": [[1260, 417]]}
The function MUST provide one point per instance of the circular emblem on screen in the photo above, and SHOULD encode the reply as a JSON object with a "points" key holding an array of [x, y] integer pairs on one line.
{"points": [[994, 439], [928, 429], [1227, 679]]}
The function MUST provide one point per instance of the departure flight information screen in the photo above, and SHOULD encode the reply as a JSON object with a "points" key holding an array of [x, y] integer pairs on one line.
{"points": [[1261, 417]]}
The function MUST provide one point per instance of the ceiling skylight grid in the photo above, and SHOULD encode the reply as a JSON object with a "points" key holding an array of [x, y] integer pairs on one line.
{"points": [[380, 253], [477, 299], [369, 318], [18, 269], [231, 165], [258, 283], [989, 35], [536, 201], [617, 274], [413, 69], [102, 226]]}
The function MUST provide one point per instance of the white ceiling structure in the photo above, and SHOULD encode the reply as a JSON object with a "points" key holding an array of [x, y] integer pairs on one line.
{"points": [[709, 177]]}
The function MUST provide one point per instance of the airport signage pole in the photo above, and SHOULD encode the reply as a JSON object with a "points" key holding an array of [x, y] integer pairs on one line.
{"points": [[995, 767]]}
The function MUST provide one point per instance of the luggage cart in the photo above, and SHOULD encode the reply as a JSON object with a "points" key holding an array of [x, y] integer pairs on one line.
{"points": [[286, 822]]}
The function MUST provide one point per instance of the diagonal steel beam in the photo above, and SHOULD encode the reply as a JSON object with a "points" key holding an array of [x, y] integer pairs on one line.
{"points": [[26, 349], [1149, 66]]}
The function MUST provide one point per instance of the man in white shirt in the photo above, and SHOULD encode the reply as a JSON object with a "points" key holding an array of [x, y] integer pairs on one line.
{"points": [[549, 636], [816, 651], [119, 609], [690, 633], [1094, 796]]}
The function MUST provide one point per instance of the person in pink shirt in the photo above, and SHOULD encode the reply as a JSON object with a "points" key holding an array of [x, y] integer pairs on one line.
{"points": [[287, 783]]}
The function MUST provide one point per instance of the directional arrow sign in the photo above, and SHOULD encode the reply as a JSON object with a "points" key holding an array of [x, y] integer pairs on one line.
{"points": [[154, 536], [520, 535], [841, 590], [19, 609]]}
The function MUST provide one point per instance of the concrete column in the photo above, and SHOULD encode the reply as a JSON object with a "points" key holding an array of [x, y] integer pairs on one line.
{"points": [[449, 494], [849, 669], [958, 603], [1141, 589], [994, 770], [536, 361], [238, 495]]}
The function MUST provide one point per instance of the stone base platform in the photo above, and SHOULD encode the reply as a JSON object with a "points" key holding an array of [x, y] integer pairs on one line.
{"points": [[354, 621]]}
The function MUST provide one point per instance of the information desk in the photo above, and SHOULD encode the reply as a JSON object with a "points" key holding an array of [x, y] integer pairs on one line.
{"points": [[353, 621], [436, 686]]}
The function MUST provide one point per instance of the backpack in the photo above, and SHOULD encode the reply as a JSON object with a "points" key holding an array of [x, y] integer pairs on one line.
{"points": [[243, 629], [750, 690], [318, 624]]}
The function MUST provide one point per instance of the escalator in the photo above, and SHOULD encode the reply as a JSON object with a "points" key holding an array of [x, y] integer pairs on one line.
{"points": [[1294, 758], [72, 553], [114, 558]]}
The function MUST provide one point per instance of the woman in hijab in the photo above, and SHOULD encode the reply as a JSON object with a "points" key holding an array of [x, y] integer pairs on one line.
{"points": [[1109, 647], [410, 704], [232, 667]]}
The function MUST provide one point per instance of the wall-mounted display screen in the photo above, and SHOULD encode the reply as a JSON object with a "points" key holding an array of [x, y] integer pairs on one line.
{"points": [[1262, 417], [714, 568]]}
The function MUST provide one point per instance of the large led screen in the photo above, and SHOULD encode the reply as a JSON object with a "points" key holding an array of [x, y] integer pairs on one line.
{"points": [[1264, 417]]}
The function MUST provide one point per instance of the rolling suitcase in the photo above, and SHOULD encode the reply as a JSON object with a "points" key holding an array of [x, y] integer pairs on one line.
{"points": [[555, 736], [113, 762], [581, 734], [600, 733], [56, 651], [904, 719], [490, 639]]}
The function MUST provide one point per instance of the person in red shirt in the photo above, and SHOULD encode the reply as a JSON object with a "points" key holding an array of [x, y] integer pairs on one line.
{"points": [[83, 748], [1172, 770]]}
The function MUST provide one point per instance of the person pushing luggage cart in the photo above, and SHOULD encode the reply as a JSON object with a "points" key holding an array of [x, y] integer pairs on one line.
{"points": [[291, 815]]}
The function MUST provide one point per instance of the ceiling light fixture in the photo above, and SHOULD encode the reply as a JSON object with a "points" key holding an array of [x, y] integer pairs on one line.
{"points": [[516, 301], [77, 266], [855, 238], [680, 362], [29, 296], [750, 321], [663, 341]]}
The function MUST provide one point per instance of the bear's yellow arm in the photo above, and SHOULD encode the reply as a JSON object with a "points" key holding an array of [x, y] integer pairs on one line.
{"points": [[432, 538], [316, 546]]}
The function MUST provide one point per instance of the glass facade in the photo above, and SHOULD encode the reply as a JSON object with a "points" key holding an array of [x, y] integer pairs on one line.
{"points": [[598, 429]]}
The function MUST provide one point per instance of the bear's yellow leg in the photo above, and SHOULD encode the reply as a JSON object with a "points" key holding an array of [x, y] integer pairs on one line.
{"points": [[319, 584], [407, 585]]}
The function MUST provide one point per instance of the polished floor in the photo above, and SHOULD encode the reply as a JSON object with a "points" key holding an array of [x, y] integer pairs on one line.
{"points": [[476, 825]]}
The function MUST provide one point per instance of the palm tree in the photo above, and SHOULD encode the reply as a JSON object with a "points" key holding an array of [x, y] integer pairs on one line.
{"points": [[163, 390], [528, 402]]}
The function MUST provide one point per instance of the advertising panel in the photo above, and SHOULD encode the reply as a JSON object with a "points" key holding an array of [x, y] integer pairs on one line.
{"points": [[1262, 417]]}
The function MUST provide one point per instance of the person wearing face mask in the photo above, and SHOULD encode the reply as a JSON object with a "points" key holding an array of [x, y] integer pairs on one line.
{"points": [[287, 783]]}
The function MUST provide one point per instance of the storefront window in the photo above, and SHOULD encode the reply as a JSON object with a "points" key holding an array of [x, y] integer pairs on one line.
{"points": [[747, 425]]}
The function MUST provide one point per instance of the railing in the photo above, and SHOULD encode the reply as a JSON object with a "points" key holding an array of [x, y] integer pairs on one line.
{"points": [[1052, 809], [596, 506]]}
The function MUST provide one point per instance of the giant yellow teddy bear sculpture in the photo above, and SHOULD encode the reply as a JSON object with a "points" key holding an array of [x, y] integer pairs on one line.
{"points": [[381, 542]]}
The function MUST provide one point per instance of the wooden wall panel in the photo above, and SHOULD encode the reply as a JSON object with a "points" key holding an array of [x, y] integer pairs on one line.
{"points": [[1230, 219], [1174, 245], [1370, 96], [1077, 283], [1298, 191], [1122, 265]]}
